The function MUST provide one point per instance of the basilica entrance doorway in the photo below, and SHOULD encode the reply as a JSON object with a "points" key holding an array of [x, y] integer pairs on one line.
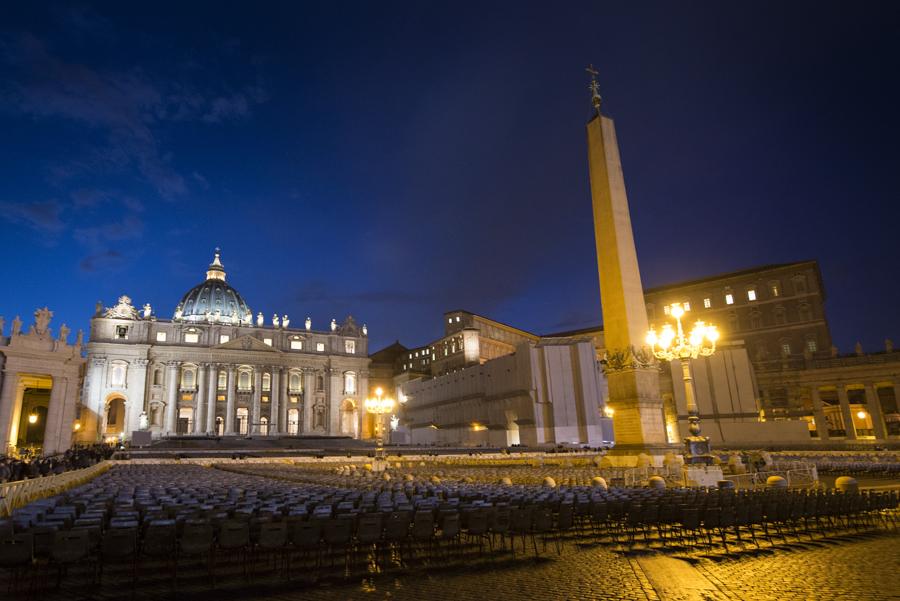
{"points": [[349, 418], [243, 421], [114, 416]]}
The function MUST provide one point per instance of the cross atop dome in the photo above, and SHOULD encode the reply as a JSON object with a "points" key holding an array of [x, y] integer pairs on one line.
{"points": [[216, 270]]}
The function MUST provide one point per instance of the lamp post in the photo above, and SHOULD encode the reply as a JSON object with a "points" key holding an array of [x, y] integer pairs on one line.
{"points": [[379, 406], [671, 344]]}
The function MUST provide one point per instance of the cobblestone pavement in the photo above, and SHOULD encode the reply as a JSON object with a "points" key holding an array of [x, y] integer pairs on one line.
{"points": [[864, 566]]}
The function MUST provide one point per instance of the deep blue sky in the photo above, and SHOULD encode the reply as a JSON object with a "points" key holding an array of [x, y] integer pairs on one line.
{"points": [[397, 160]]}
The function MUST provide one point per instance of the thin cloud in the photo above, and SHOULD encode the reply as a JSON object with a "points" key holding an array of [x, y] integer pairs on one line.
{"points": [[44, 217]]}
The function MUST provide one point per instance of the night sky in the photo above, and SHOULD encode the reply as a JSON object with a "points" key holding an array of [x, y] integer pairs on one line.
{"points": [[398, 160]]}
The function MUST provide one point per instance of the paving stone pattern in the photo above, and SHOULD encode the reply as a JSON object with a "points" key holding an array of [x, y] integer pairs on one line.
{"points": [[862, 567]]}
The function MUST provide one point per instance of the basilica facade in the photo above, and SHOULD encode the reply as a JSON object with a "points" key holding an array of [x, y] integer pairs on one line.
{"points": [[216, 369]]}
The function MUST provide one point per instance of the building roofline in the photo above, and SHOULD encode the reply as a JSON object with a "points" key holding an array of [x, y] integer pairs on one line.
{"points": [[581, 331], [732, 274], [494, 321]]}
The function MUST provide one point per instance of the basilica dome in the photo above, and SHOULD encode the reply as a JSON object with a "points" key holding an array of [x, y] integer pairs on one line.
{"points": [[213, 300]]}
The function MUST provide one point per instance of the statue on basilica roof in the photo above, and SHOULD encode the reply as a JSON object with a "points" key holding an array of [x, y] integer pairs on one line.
{"points": [[42, 319], [123, 309]]}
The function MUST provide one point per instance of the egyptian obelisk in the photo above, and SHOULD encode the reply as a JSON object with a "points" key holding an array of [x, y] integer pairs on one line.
{"points": [[633, 380]]}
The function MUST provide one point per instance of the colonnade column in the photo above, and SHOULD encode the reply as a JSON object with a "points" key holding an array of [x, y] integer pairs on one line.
{"points": [[874, 406], [309, 387], [819, 413], [257, 399], [58, 433], [200, 399], [7, 400], [274, 401], [172, 385], [229, 403], [213, 394], [285, 401], [845, 412]]}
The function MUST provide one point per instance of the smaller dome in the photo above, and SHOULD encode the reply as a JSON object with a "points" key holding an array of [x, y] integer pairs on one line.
{"points": [[213, 300]]}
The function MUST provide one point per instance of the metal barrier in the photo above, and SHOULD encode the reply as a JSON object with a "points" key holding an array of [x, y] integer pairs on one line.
{"points": [[800, 476], [21, 492]]}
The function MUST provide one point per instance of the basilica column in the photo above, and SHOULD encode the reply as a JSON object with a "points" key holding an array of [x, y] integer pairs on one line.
{"points": [[274, 401], [137, 391], [362, 391], [309, 387], [200, 399], [213, 394], [333, 402], [257, 399], [229, 403], [874, 406], [284, 401], [819, 413], [845, 412], [172, 385]]}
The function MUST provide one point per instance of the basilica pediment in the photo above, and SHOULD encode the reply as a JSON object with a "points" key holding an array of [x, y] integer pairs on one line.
{"points": [[247, 343]]}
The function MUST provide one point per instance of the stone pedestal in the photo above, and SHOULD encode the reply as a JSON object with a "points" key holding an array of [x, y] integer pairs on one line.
{"points": [[702, 475]]}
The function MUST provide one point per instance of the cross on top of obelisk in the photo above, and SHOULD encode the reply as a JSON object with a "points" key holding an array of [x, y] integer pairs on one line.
{"points": [[594, 88]]}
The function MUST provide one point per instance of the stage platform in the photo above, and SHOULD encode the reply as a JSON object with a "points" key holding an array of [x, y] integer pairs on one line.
{"points": [[277, 446]]}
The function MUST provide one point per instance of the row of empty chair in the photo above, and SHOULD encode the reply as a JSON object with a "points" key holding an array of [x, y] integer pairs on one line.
{"points": [[137, 519]]}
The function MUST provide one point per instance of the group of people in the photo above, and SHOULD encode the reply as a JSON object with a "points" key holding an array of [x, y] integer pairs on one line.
{"points": [[23, 468]]}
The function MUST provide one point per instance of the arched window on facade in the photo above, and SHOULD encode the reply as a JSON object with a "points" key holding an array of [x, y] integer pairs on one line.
{"points": [[296, 382], [267, 382], [320, 383], [264, 425], [244, 381], [188, 377], [805, 312], [223, 380], [157, 377], [350, 382]]}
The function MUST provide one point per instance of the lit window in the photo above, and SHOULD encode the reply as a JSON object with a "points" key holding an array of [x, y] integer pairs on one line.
{"points": [[751, 294], [296, 345], [449, 320], [160, 336], [350, 346], [729, 299], [686, 305], [191, 337], [785, 349], [666, 309], [457, 319], [811, 346], [774, 290], [707, 303], [320, 347], [224, 338], [267, 341]]}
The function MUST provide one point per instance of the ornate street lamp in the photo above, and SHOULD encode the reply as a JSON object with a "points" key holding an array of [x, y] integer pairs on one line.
{"points": [[671, 344], [379, 406]]}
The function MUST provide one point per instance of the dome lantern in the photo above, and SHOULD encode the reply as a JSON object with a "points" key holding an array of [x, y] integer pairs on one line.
{"points": [[214, 300]]}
